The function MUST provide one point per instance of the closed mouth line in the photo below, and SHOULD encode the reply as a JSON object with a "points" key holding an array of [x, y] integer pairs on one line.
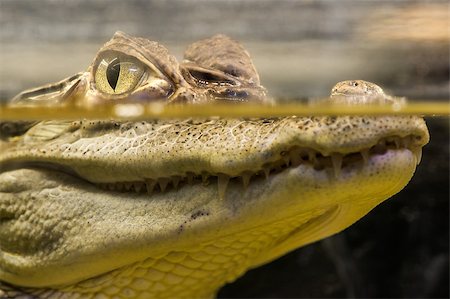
{"points": [[291, 158]]}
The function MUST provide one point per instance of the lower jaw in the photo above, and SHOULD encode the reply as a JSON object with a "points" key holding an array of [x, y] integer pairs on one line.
{"points": [[344, 199]]}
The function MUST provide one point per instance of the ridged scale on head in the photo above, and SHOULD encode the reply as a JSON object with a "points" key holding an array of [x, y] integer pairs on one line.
{"points": [[164, 148], [147, 49], [224, 54]]}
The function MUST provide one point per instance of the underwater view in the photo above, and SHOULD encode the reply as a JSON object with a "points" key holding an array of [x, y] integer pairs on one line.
{"points": [[230, 149]]}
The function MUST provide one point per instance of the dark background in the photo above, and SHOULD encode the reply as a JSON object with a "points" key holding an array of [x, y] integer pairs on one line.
{"points": [[300, 48]]}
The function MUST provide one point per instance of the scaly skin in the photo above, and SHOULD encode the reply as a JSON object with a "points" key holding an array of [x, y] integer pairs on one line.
{"points": [[178, 208]]}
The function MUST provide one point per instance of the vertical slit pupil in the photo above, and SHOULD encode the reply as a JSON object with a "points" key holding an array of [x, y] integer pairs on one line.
{"points": [[112, 72]]}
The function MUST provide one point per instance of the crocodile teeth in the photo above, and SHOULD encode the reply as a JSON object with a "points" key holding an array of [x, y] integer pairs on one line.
{"points": [[312, 157], [150, 184], [246, 179], [365, 156], [294, 157], [205, 178], [163, 182], [175, 181], [418, 154], [286, 161], [336, 160], [406, 141], [127, 186], [222, 182], [138, 186]]}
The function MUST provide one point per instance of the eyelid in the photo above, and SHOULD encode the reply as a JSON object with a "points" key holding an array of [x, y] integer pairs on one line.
{"points": [[205, 76]]}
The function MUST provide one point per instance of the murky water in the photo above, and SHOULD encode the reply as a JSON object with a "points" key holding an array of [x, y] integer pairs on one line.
{"points": [[301, 48], [405, 238], [133, 111]]}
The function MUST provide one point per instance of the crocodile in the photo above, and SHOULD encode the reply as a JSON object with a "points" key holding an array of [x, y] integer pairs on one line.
{"points": [[177, 208]]}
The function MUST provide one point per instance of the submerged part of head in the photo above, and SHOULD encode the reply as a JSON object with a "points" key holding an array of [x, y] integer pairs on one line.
{"points": [[177, 208]]}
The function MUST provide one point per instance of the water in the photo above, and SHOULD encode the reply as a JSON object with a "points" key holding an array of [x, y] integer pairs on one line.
{"points": [[404, 239], [133, 111], [300, 50], [400, 249]]}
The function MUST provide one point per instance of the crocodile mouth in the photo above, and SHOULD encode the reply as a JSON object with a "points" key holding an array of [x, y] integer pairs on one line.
{"points": [[202, 215], [290, 158]]}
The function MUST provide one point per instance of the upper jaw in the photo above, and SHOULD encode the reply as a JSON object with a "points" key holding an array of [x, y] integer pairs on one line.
{"points": [[136, 156]]}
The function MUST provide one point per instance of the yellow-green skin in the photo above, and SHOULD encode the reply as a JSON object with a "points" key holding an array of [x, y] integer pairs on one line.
{"points": [[61, 236]]}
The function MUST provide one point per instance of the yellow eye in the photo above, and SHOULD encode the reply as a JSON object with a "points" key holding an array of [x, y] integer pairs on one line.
{"points": [[118, 74]]}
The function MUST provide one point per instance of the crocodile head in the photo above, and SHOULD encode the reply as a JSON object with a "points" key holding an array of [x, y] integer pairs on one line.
{"points": [[136, 69], [178, 208]]}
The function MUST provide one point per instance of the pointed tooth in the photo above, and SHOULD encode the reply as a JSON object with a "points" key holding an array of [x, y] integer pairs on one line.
{"points": [[336, 160], [286, 160], [222, 182], [246, 176], [163, 183], [365, 155], [175, 181], [312, 157], [127, 186], [150, 185], [266, 172], [406, 141], [418, 154], [397, 143], [205, 178], [138, 186]]}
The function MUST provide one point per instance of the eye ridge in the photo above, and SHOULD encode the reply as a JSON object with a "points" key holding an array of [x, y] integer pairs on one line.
{"points": [[113, 72]]}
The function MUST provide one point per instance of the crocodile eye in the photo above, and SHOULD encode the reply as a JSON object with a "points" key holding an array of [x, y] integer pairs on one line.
{"points": [[118, 74]]}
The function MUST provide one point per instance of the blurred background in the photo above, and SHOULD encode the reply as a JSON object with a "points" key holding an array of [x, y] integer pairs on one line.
{"points": [[300, 48]]}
